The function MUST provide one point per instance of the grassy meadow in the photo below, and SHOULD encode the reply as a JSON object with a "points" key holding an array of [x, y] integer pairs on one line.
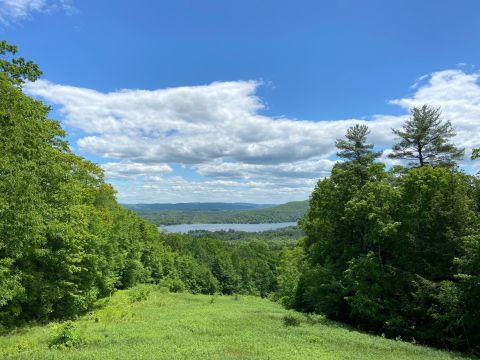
{"points": [[148, 323]]}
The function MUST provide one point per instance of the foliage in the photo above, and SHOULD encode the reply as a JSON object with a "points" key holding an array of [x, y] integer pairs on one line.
{"points": [[139, 293], [173, 284], [64, 240], [289, 271], [16, 69], [354, 147], [396, 252], [278, 238], [291, 320], [244, 268], [64, 336], [424, 139], [475, 154]]}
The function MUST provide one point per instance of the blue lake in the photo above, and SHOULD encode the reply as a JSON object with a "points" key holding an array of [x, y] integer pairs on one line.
{"points": [[185, 228]]}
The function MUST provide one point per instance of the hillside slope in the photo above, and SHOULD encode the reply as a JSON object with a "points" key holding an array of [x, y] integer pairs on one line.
{"points": [[291, 211], [185, 326]]}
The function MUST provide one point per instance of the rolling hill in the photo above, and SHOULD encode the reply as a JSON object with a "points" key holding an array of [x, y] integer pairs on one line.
{"points": [[203, 214]]}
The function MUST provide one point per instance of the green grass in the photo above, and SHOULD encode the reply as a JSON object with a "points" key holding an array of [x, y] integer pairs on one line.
{"points": [[185, 326]]}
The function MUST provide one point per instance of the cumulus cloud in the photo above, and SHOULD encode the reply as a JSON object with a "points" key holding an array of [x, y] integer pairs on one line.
{"points": [[311, 168], [129, 171], [193, 125], [12, 11], [217, 132], [177, 188]]}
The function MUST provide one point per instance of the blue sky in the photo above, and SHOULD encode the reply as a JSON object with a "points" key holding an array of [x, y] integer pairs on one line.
{"points": [[242, 101]]}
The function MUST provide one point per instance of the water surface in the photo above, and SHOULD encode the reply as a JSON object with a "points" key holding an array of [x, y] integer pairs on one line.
{"points": [[185, 228]]}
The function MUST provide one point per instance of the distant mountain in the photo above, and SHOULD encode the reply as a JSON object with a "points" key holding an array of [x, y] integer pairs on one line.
{"points": [[217, 213], [197, 206]]}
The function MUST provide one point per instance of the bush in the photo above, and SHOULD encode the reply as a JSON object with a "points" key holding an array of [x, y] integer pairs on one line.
{"points": [[173, 284], [314, 319], [163, 290], [64, 337], [291, 320], [139, 293]]}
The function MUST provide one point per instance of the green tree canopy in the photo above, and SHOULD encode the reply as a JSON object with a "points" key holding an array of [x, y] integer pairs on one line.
{"points": [[424, 139], [18, 70], [395, 252]]}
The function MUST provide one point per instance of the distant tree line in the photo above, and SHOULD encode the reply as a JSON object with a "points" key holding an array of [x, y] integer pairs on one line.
{"points": [[397, 251], [278, 238], [289, 212]]}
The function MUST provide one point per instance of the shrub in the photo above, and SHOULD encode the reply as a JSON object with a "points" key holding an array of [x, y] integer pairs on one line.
{"points": [[173, 284], [313, 319], [164, 290], [64, 336], [139, 293], [291, 320]]}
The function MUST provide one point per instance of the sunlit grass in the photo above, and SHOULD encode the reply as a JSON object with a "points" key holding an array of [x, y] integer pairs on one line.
{"points": [[185, 326]]}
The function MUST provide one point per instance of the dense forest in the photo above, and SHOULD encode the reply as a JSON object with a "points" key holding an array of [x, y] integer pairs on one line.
{"points": [[289, 212], [285, 236], [390, 251], [64, 239], [397, 251]]}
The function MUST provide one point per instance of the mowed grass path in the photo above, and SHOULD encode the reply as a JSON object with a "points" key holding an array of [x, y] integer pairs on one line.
{"points": [[185, 326]]}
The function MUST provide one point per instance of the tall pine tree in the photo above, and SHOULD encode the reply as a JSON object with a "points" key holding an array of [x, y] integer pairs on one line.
{"points": [[424, 139], [354, 147]]}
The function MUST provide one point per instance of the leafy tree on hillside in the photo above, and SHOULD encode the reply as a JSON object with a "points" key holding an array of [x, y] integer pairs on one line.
{"points": [[64, 239], [424, 139]]}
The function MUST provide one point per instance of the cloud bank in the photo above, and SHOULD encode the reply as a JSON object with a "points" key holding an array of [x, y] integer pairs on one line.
{"points": [[226, 149]]}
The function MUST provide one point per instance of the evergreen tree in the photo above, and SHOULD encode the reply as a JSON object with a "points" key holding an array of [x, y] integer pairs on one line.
{"points": [[475, 154], [424, 139], [354, 147]]}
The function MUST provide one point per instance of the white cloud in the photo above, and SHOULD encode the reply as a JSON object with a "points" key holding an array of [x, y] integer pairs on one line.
{"points": [[179, 189], [128, 170], [217, 131], [311, 168], [12, 11], [192, 125]]}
